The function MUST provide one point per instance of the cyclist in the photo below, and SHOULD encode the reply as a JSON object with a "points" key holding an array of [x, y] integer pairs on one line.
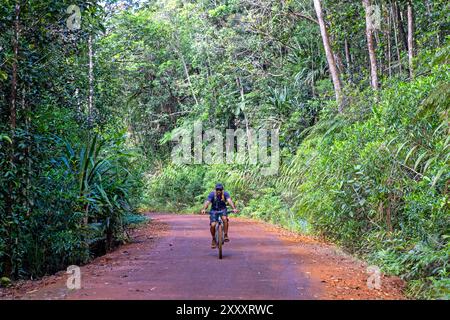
{"points": [[218, 201]]}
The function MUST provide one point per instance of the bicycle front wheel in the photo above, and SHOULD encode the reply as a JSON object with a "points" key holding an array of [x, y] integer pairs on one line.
{"points": [[220, 239]]}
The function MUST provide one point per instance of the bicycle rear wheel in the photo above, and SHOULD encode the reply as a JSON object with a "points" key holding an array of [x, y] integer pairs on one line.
{"points": [[220, 239]]}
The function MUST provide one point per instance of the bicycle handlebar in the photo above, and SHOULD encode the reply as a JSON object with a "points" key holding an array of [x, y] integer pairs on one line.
{"points": [[226, 210]]}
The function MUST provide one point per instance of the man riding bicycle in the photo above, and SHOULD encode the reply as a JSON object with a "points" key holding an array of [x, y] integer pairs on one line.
{"points": [[218, 201]]}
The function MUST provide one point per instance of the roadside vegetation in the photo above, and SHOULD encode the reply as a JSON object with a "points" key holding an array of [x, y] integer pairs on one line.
{"points": [[88, 117]]}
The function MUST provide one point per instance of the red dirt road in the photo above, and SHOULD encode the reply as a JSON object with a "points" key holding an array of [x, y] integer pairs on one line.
{"points": [[171, 258]]}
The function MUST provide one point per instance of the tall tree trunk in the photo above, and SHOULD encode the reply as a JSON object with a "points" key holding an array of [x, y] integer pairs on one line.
{"points": [[91, 81], [388, 38], [9, 203], [370, 45], [90, 109], [400, 24], [330, 55], [376, 45], [396, 40], [13, 105], [26, 107], [188, 77], [410, 39]]}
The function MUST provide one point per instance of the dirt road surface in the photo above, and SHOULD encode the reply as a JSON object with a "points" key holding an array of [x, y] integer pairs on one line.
{"points": [[171, 258]]}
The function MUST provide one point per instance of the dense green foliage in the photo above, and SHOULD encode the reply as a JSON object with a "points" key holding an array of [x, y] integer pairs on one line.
{"points": [[373, 179], [377, 183], [68, 176], [89, 144]]}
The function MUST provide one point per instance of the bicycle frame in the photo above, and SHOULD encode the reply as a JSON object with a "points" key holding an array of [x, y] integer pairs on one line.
{"points": [[218, 224], [220, 232]]}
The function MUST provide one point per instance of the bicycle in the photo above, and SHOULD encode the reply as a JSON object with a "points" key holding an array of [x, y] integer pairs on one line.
{"points": [[220, 232]]}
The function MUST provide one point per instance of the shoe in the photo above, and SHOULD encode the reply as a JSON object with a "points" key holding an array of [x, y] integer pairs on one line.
{"points": [[213, 244], [226, 239]]}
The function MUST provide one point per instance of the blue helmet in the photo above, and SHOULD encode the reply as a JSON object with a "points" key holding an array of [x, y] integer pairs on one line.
{"points": [[219, 186]]}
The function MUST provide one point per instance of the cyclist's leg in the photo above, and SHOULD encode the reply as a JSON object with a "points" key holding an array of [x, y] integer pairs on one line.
{"points": [[212, 229], [213, 216], [212, 222], [225, 224]]}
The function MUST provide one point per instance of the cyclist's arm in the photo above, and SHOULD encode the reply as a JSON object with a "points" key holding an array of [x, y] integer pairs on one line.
{"points": [[231, 203], [205, 206]]}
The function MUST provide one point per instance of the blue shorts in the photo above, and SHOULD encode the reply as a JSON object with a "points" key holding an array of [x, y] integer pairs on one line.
{"points": [[214, 215]]}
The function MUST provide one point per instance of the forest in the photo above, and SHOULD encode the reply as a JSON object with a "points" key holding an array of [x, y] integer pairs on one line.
{"points": [[94, 93]]}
